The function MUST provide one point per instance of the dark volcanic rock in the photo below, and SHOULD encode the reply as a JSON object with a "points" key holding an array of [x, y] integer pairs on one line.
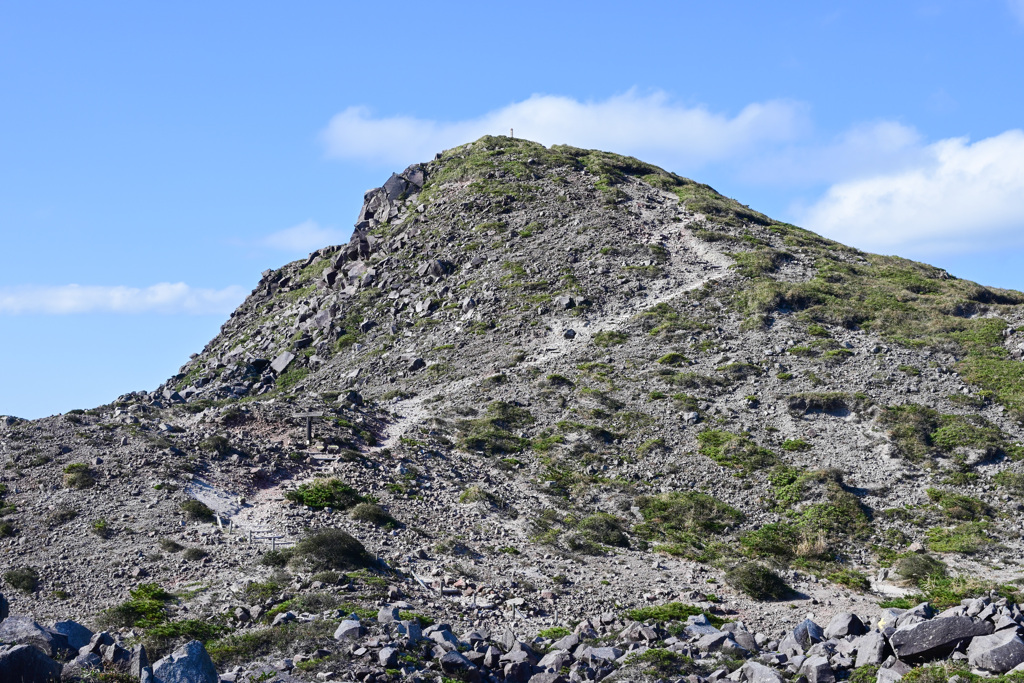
{"points": [[936, 638]]}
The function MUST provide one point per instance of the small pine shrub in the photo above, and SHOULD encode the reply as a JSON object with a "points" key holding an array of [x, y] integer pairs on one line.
{"points": [[374, 514], [77, 475], [25, 579], [757, 581], [331, 549], [197, 511]]}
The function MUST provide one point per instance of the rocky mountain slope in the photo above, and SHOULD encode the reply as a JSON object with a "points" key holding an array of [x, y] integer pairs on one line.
{"points": [[544, 385]]}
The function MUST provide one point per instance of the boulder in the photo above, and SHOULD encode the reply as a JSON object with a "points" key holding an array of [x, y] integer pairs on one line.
{"points": [[190, 663], [23, 631], [818, 670], [27, 664], [388, 657], [349, 629], [936, 638], [755, 672], [388, 615], [845, 624], [997, 653], [805, 634], [456, 665], [282, 362], [78, 636], [5, 608], [872, 649]]}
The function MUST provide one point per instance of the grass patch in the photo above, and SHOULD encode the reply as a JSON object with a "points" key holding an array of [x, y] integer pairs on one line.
{"points": [[608, 338], [736, 451], [492, 433]]}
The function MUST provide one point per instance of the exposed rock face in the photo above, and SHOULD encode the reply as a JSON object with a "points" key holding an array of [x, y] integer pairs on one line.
{"points": [[547, 385]]}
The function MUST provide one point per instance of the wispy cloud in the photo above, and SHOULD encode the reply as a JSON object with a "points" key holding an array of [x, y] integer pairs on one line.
{"points": [[304, 237], [165, 298], [960, 196], [863, 150], [649, 125]]}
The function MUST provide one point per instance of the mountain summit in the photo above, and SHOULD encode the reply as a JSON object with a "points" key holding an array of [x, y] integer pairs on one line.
{"points": [[554, 393]]}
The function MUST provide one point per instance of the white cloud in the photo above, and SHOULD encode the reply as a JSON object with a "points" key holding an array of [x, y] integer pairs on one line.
{"points": [[863, 150], [961, 196], [650, 125], [165, 297], [304, 237]]}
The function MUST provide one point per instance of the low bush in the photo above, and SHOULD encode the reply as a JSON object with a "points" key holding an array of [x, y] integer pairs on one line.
{"points": [[331, 549], [758, 581], [374, 514], [325, 493], [914, 567], [25, 579], [197, 511], [602, 527], [78, 475]]}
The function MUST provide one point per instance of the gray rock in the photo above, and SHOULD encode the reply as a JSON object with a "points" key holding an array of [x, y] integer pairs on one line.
{"points": [[845, 624], [454, 664], [569, 334], [27, 664], [78, 636], [755, 672], [281, 363], [548, 677], [416, 364], [5, 608], [699, 625], [872, 649], [410, 629], [349, 629], [139, 661], [388, 657], [190, 663], [21, 630], [388, 614], [567, 642], [720, 642], [997, 653], [798, 640], [818, 670], [82, 663], [936, 638], [596, 656]]}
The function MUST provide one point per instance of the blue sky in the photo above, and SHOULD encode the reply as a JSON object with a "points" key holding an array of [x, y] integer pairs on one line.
{"points": [[155, 157]]}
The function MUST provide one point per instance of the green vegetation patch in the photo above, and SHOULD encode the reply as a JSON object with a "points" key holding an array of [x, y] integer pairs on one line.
{"points": [[664, 319], [492, 433], [608, 338], [758, 581], [959, 506], [967, 538], [684, 521], [324, 493], [737, 451]]}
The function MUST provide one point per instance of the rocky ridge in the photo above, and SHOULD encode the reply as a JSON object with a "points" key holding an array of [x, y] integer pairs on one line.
{"points": [[547, 385]]}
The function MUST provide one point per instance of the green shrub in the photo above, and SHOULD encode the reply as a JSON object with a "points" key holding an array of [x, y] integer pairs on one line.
{"points": [[170, 545], [608, 338], [794, 445], [915, 567], [197, 511], [673, 359], [735, 450], [851, 578], [602, 527], [194, 554], [78, 475], [325, 493], [554, 632], [101, 528], [218, 444], [276, 558], [1012, 481], [331, 549], [663, 664], [492, 434], [145, 607], [25, 579], [374, 514], [672, 611], [758, 581], [478, 494], [959, 506], [162, 639], [686, 521]]}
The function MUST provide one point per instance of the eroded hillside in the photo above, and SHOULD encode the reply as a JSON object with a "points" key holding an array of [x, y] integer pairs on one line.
{"points": [[546, 384]]}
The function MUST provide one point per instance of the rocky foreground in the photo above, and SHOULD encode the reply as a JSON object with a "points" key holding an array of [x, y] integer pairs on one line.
{"points": [[546, 394], [981, 637]]}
